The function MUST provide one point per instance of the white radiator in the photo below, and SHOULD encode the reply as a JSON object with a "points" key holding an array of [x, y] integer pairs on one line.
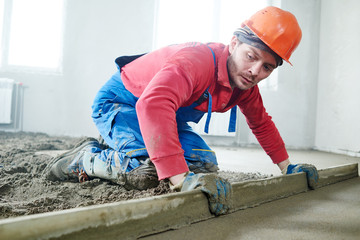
{"points": [[6, 100]]}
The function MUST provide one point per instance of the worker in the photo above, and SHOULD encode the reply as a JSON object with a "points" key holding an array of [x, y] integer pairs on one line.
{"points": [[142, 112]]}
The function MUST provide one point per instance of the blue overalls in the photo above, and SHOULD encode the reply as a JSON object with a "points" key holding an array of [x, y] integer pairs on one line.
{"points": [[115, 117]]}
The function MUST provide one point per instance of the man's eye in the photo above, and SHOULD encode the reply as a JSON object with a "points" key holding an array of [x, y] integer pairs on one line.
{"points": [[268, 68], [249, 56]]}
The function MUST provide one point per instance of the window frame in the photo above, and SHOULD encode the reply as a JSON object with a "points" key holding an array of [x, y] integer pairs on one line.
{"points": [[5, 45]]}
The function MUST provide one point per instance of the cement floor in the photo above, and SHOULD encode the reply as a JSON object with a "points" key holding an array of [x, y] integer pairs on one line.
{"points": [[256, 160], [331, 212]]}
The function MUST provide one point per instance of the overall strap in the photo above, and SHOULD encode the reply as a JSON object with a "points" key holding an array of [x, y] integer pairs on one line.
{"points": [[232, 122], [208, 117]]}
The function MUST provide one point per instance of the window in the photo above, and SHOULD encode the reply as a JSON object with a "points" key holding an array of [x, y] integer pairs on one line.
{"points": [[180, 21], [32, 34], [201, 20]]}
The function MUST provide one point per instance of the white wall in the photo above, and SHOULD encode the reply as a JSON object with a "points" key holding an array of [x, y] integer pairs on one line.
{"points": [[338, 112], [96, 32]]}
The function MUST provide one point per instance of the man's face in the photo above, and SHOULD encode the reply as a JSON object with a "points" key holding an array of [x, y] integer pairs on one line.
{"points": [[248, 65]]}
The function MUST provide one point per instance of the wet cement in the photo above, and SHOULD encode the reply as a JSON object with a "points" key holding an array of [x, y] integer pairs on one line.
{"points": [[330, 212], [24, 191]]}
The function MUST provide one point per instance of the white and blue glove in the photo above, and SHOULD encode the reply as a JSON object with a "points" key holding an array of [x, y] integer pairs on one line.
{"points": [[217, 190], [312, 174]]}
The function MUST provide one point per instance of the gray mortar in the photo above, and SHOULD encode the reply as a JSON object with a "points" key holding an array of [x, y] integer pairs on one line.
{"points": [[23, 191]]}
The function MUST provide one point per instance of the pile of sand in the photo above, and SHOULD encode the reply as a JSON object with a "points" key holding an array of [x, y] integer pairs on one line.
{"points": [[24, 191]]}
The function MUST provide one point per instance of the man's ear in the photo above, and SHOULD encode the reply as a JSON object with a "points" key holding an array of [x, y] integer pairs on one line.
{"points": [[232, 44]]}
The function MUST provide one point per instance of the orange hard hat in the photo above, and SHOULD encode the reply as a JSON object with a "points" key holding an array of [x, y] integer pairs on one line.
{"points": [[277, 28]]}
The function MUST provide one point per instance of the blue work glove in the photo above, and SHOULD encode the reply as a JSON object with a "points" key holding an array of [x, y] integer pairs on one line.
{"points": [[310, 170], [217, 190]]}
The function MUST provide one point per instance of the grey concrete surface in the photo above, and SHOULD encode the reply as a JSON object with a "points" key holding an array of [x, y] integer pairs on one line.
{"points": [[143, 217], [256, 160], [331, 212]]}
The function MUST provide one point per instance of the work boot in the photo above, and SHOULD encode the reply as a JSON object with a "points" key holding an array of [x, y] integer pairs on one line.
{"points": [[80, 164], [69, 165], [140, 178]]}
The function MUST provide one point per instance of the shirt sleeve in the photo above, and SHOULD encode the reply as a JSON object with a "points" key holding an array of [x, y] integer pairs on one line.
{"points": [[173, 86], [262, 126]]}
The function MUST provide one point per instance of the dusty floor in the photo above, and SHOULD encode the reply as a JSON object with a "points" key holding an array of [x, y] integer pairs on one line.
{"points": [[23, 191]]}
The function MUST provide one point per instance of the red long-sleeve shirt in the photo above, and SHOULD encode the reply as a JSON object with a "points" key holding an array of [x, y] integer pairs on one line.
{"points": [[176, 76]]}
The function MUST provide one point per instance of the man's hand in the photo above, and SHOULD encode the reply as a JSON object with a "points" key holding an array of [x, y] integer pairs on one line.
{"points": [[310, 170], [217, 189]]}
